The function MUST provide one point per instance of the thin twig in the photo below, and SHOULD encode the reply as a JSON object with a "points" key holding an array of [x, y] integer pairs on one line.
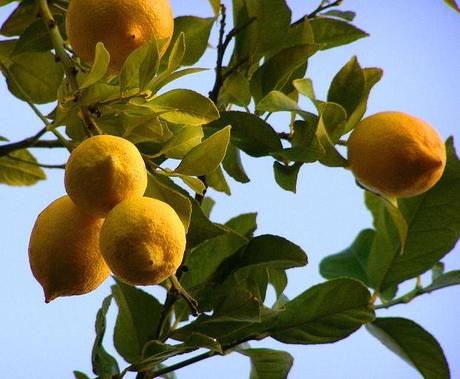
{"points": [[27, 142], [52, 166], [322, 7]]}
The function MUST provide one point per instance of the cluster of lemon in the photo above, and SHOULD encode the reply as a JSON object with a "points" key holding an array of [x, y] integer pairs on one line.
{"points": [[104, 224]]}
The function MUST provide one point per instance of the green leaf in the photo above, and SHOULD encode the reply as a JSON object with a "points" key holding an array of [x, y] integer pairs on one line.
{"points": [[216, 180], [325, 313], [157, 352], [185, 138], [162, 188], [275, 73], [99, 67], [245, 224], [351, 262], [347, 86], [103, 362], [433, 221], [277, 101], [140, 67], [286, 176], [453, 4], [177, 53], [305, 87], [20, 168], [249, 133], [183, 106], [233, 165], [80, 375], [204, 158], [196, 31], [278, 279], [35, 77], [344, 15], [329, 32], [23, 16], [413, 344], [139, 127], [215, 4], [268, 364], [207, 205], [371, 78], [35, 38], [137, 320], [451, 278], [235, 90], [265, 251]]}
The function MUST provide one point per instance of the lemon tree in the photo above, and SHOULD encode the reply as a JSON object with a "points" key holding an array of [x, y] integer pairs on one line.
{"points": [[146, 155]]}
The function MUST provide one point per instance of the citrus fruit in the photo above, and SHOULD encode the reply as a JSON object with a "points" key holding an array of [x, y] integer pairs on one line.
{"points": [[143, 241], [102, 171], [122, 25], [396, 154], [64, 251]]}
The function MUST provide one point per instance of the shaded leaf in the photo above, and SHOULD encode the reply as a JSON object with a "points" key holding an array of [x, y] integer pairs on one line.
{"points": [[137, 320], [268, 364], [447, 279], [23, 16], [103, 363], [249, 133], [80, 375], [351, 262], [216, 180], [244, 224], [413, 344], [453, 4], [233, 165], [286, 176], [20, 168], [325, 313]]}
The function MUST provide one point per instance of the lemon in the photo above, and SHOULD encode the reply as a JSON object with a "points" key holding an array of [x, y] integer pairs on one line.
{"points": [[143, 241], [396, 154], [64, 251], [122, 25], [102, 171]]}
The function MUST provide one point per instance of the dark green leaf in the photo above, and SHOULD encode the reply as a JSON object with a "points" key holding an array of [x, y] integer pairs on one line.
{"points": [[157, 352], [413, 344], [433, 220], [162, 188], [196, 31], [35, 77], [453, 4], [80, 375], [24, 15], [245, 224], [347, 86], [330, 32], [278, 279], [103, 362], [183, 106], [137, 320], [447, 279], [206, 157], [233, 165], [351, 262], [286, 176], [20, 168], [269, 364], [207, 206], [235, 90], [275, 72], [35, 38], [325, 313], [249, 133]]}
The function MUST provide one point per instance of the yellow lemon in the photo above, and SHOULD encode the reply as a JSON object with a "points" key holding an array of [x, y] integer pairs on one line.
{"points": [[122, 25], [143, 241], [64, 251], [102, 171], [396, 154]]}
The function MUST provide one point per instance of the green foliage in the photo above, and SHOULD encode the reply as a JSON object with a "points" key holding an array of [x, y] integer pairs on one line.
{"points": [[228, 267], [413, 344], [19, 168]]}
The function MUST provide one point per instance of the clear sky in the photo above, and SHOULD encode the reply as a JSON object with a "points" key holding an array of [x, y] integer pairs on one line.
{"points": [[416, 43]]}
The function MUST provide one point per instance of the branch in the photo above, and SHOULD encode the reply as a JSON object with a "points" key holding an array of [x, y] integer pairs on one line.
{"points": [[60, 166], [28, 142], [69, 68], [322, 7]]}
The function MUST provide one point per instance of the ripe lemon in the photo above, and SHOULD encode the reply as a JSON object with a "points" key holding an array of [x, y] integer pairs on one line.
{"points": [[143, 241], [64, 251], [102, 171], [122, 25], [396, 154]]}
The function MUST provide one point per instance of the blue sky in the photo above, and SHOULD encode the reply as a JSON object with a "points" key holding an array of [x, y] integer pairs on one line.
{"points": [[416, 43]]}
